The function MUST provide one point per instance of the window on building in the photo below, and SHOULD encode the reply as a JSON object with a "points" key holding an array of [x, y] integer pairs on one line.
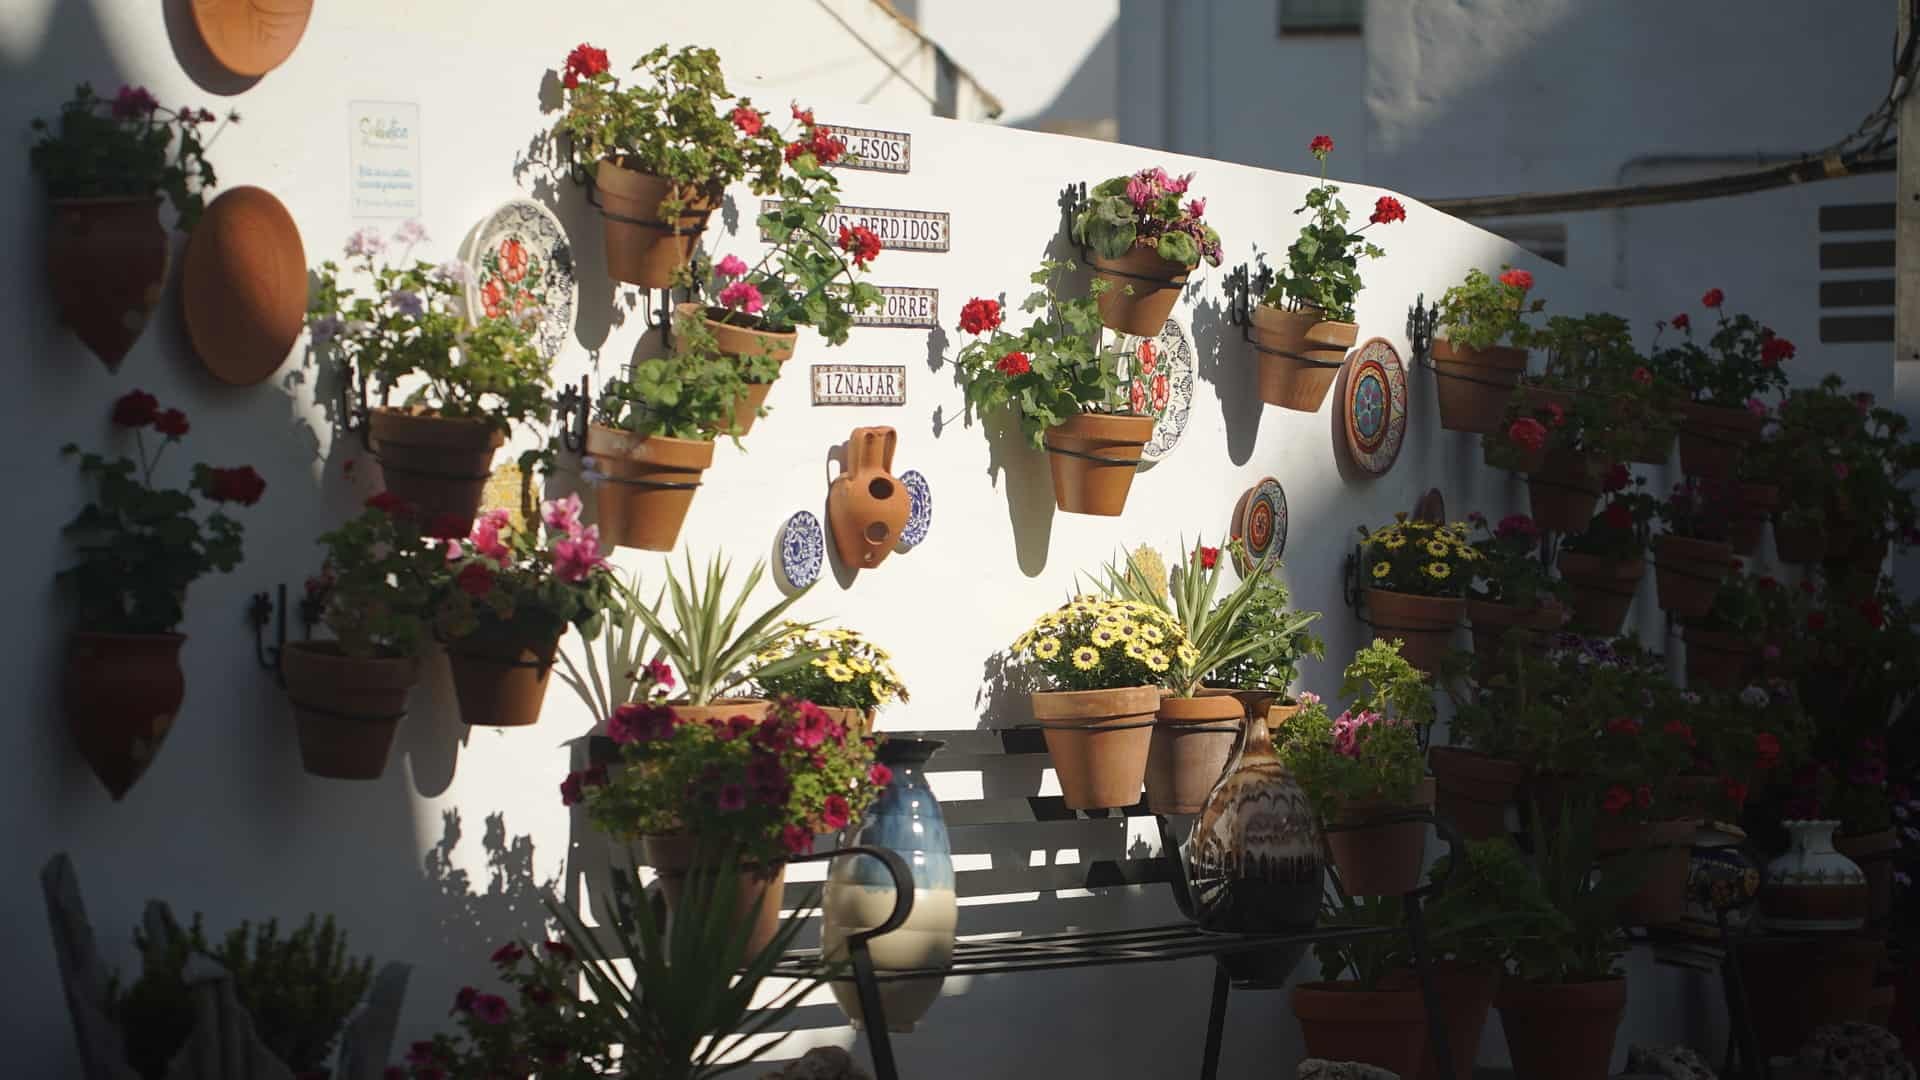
{"points": [[1321, 16]]}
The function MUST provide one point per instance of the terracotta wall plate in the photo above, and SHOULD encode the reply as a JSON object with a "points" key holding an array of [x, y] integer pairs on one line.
{"points": [[244, 287], [1374, 402], [251, 37], [1260, 522]]}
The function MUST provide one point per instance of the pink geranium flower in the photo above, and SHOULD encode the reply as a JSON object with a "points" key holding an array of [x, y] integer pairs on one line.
{"points": [[743, 296], [730, 267], [562, 515], [486, 535], [577, 556]]}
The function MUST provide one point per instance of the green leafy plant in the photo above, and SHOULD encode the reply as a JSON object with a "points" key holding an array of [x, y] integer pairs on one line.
{"points": [[1623, 526], [517, 584], [1483, 311], [1509, 570], [690, 393], [1587, 943], [1372, 752], [140, 546], [1595, 395], [1215, 629], [1280, 641], [1742, 361], [1144, 210], [1491, 906], [1092, 643], [127, 147], [413, 327], [298, 990], [712, 652], [1698, 508], [1746, 739], [1055, 369], [1418, 557], [841, 669], [379, 586], [1323, 266], [1841, 460]]}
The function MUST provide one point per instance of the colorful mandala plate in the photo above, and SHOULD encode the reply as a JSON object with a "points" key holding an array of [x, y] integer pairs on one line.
{"points": [[1260, 522], [1375, 402], [519, 258], [803, 548], [1162, 382]]}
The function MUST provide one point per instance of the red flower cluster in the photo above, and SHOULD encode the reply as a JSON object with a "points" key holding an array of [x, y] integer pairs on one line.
{"points": [[1766, 748], [1387, 209], [1516, 525], [388, 503], [1623, 725], [1517, 279], [1618, 798], [241, 485], [133, 102], [1321, 146], [1643, 376], [1557, 413], [1528, 433], [1713, 299], [1681, 730], [136, 409], [860, 242], [1775, 349], [1014, 363], [749, 121], [1871, 611], [172, 423], [1736, 791], [584, 62], [1618, 478], [980, 316], [819, 142], [1617, 516], [475, 579], [1681, 322], [1208, 557]]}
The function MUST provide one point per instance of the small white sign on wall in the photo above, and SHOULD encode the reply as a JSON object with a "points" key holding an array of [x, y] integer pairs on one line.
{"points": [[875, 150], [383, 159], [859, 384], [905, 306], [898, 230]]}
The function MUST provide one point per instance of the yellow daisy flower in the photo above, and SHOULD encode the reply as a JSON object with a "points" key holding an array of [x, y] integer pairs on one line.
{"points": [[1187, 654], [880, 693], [819, 661], [859, 665], [1127, 631], [1086, 658], [1136, 651], [1156, 661], [839, 673], [1152, 634], [1046, 648], [1103, 636], [1394, 542], [1437, 548], [1381, 569], [1112, 618], [1439, 571]]}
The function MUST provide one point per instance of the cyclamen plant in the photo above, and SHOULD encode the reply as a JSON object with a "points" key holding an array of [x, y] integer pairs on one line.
{"points": [[378, 587], [1483, 311], [1741, 363], [127, 147], [414, 324], [1145, 210], [1323, 265], [141, 546], [507, 577]]}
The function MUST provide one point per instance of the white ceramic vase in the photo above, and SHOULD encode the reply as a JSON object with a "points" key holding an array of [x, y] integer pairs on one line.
{"points": [[1813, 886]]}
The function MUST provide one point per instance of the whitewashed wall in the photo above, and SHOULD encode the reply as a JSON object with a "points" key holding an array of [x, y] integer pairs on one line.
{"points": [[435, 862]]}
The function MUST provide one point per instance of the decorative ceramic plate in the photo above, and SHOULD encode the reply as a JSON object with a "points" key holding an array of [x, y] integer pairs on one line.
{"points": [[251, 37], [1260, 522], [803, 547], [1163, 384], [920, 517], [520, 258], [243, 290], [1375, 402]]}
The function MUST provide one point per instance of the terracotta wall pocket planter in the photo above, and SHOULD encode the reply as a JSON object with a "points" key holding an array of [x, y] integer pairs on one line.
{"points": [[345, 708], [1383, 1028], [1599, 591], [1473, 790], [1145, 288], [866, 506], [741, 342], [121, 695], [642, 249], [1475, 384], [1381, 859], [1687, 572], [1300, 355], [1192, 742], [1564, 491], [440, 466], [757, 887], [1562, 1031], [1714, 438], [1093, 457], [106, 265], [1099, 741], [646, 485], [1423, 625], [500, 676]]}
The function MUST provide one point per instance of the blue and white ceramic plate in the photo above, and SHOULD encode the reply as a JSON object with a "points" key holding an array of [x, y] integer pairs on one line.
{"points": [[920, 517], [803, 547]]}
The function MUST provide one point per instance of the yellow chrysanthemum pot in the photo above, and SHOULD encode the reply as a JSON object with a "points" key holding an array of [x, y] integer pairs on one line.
{"points": [[1099, 741]]}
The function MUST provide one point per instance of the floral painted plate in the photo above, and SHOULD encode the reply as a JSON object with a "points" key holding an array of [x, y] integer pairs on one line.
{"points": [[1162, 383], [1375, 404], [803, 547], [1260, 522], [519, 258], [920, 516]]}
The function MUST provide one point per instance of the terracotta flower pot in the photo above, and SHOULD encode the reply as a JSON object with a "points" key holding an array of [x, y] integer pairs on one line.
{"points": [[1747, 517], [722, 709], [1798, 543], [1562, 1031], [438, 465], [1099, 741], [1192, 740], [646, 485], [1383, 1028], [1145, 288], [1475, 384], [1847, 543], [121, 694], [500, 676], [741, 342], [1466, 997], [1687, 572], [106, 266], [1713, 439], [1563, 491], [1874, 852], [1300, 354], [1380, 860], [345, 708], [1424, 625], [1796, 984], [1661, 899], [641, 248], [1492, 623], [1599, 591], [1474, 790], [858, 722], [757, 888], [866, 506], [1717, 659], [1094, 457]]}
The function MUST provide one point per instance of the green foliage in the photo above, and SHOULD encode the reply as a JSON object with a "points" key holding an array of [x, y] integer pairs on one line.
{"points": [[1742, 361], [1370, 753], [1055, 369], [1509, 570], [1091, 643], [1144, 210], [1587, 944], [1483, 311], [704, 645], [1491, 907], [1387, 684], [1601, 397], [1840, 459], [1418, 557], [128, 147], [690, 393], [1280, 641], [1217, 630], [1323, 264], [298, 990], [378, 589]]}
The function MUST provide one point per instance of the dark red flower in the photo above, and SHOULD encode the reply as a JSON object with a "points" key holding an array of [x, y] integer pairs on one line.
{"points": [[508, 955], [135, 409], [749, 121], [560, 949], [1766, 749], [1557, 413], [1528, 433], [1014, 363], [1871, 611], [1817, 621], [1775, 349], [797, 840], [980, 316], [1623, 725], [879, 775], [1679, 729], [1618, 478], [491, 1009], [593, 776], [1617, 516], [1681, 322], [537, 994], [1209, 557], [133, 102], [1321, 146], [860, 242], [172, 423], [1767, 584], [1713, 299], [570, 793], [1643, 796], [388, 503], [834, 812], [1736, 791], [241, 485], [463, 1001], [1387, 210], [1643, 376], [1517, 278], [1617, 799], [792, 151], [1516, 525], [584, 62], [474, 579]]}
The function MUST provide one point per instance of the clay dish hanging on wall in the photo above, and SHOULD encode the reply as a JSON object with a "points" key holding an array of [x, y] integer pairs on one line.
{"points": [[244, 288], [866, 505], [251, 37]]}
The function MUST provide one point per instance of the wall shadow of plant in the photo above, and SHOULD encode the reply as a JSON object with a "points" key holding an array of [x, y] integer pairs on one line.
{"points": [[476, 913]]}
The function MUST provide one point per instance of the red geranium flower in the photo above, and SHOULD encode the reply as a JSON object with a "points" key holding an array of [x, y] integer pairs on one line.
{"points": [[1766, 748], [1871, 611], [1617, 516], [508, 954], [1517, 279], [1735, 790], [1623, 725], [388, 503], [860, 242], [1775, 349], [1014, 363], [1528, 433], [1618, 477], [792, 151], [879, 775], [1516, 525], [135, 409], [1817, 621], [1558, 413], [805, 116], [750, 121], [980, 316], [797, 840], [1321, 146], [241, 485], [1617, 799], [1681, 322], [171, 423], [1679, 729], [1209, 557], [1387, 209], [1713, 299], [475, 579], [1643, 796], [584, 62]]}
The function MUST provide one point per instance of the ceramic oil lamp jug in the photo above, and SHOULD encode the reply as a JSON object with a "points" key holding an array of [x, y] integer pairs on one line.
{"points": [[866, 506]]}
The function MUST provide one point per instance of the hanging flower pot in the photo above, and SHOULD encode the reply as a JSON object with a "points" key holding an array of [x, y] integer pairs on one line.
{"points": [[643, 249], [1599, 591], [1192, 740], [1424, 625], [1716, 658], [1474, 790], [1798, 543], [757, 889], [1562, 1031], [646, 485], [106, 265], [122, 692], [1713, 438], [1144, 289], [1661, 899], [1747, 518], [1687, 572], [1475, 384], [345, 708], [1564, 490], [1300, 355], [1094, 457], [1383, 1028], [441, 466], [500, 675], [1380, 859], [741, 342], [1492, 623], [1099, 741]]}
